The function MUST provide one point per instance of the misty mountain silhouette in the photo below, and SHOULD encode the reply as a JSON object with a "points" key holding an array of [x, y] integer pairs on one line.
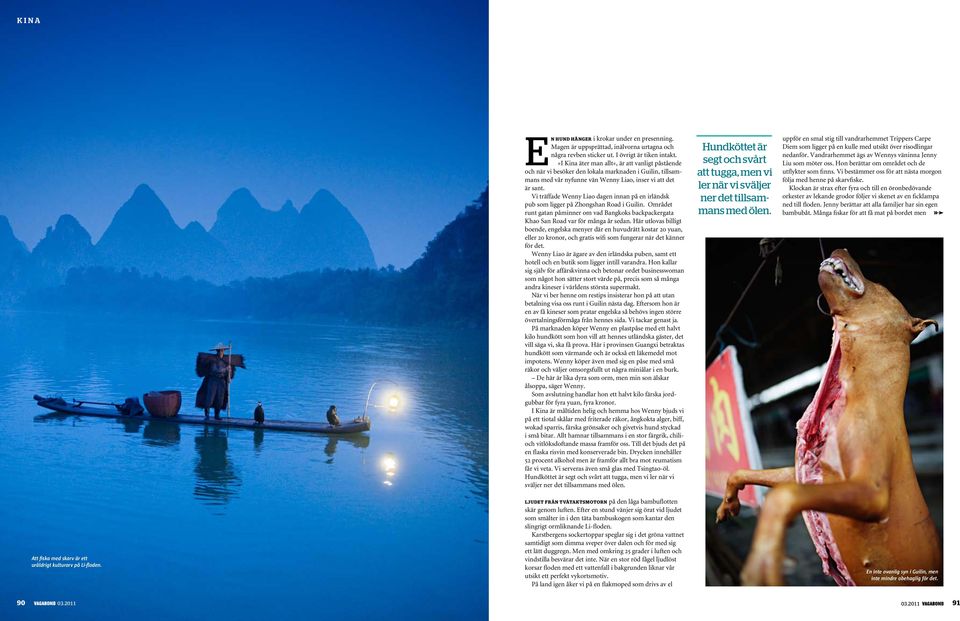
{"points": [[10, 246], [321, 253], [13, 254], [255, 236], [275, 243], [454, 269], [143, 235], [325, 213], [447, 285], [246, 240], [65, 245]]}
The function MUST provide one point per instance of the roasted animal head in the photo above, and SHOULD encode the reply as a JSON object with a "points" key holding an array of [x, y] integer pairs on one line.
{"points": [[853, 299]]}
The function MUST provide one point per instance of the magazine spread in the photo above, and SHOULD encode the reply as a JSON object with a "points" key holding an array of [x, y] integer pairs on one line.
{"points": [[269, 351], [719, 235]]}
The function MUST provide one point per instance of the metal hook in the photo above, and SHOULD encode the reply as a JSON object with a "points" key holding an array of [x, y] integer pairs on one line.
{"points": [[820, 308]]}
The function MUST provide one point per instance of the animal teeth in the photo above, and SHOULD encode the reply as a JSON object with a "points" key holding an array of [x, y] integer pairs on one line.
{"points": [[837, 267]]}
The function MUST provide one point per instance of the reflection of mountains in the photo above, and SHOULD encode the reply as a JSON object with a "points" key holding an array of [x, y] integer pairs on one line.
{"points": [[217, 480]]}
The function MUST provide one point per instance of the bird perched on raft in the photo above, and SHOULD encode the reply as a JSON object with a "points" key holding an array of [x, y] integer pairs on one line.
{"points": [[258, 413], [332, 417]]}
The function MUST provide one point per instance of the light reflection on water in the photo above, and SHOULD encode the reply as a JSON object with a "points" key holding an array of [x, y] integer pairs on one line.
{"points": [[292, 512]]}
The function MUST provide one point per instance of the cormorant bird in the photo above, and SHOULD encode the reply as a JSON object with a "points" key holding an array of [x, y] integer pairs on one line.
{"points": [[332, 417], [258, 413]]}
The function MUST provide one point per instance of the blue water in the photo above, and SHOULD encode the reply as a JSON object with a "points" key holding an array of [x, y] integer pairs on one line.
{"points": [[190, 522]]}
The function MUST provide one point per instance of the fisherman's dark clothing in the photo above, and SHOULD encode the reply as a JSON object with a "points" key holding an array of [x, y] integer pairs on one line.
{"points": [[213, 391]]}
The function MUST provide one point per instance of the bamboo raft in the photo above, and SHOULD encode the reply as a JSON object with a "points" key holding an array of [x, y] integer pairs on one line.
{"points": [[81, 408]]}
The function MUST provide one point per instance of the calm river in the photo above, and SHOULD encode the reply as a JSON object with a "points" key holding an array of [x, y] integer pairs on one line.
{"points": [[187, 521]]}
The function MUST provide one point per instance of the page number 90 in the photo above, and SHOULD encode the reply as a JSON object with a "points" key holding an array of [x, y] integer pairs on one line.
{"points": [[21, 602]]}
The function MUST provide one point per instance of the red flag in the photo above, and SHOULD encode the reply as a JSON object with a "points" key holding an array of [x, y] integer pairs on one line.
{"points": [[730, 443]]}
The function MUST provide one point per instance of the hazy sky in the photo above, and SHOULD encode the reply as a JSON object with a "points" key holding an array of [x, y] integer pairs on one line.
{"points": [[382, 103]]}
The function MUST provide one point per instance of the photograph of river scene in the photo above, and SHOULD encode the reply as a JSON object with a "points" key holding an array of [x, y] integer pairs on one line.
{"points": [[249, 522], [244, 311]]}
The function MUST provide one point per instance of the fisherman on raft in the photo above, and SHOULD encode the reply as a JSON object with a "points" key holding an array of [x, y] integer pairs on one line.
{"points": [[217, 371]]}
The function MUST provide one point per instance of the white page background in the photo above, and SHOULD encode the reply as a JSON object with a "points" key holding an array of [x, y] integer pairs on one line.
{"points": [[683, 68]]}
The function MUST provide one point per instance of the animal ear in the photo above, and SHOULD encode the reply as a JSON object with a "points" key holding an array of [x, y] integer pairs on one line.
{"points": [[919, 325]]}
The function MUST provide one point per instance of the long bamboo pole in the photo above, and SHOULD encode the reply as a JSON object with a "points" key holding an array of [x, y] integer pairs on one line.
{"points": [[229, 373]]}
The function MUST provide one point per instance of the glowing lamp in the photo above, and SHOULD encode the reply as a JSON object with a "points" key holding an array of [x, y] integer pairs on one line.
{"points": [[393, 402]]}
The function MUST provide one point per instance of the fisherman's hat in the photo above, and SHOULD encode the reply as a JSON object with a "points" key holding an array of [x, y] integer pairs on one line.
{"points": [[220, 347]]}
